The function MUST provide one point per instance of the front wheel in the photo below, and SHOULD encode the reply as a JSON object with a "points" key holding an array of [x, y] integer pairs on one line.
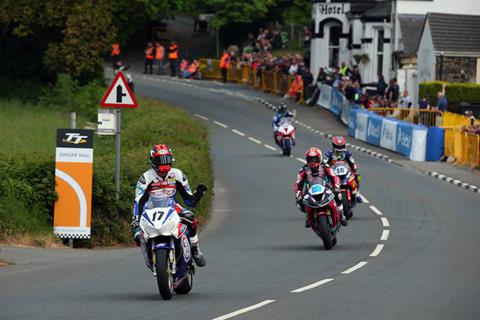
{"points": [[347, 210], [324, 232], [286, 147], [164, 274]]}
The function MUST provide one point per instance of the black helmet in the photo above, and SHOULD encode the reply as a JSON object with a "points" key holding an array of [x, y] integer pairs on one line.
{"points": [[282, 107]]}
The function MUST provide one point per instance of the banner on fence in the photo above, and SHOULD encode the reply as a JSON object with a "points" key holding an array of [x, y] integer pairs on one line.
{"points": [[325, 96], [336, 103], [389, 134], [374, 128], [361, 126]]}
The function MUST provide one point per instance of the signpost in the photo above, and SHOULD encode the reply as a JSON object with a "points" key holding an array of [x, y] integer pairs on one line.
{"points": [[119, 95]]}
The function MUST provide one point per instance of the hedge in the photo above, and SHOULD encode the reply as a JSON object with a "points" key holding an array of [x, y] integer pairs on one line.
{"points": [[456, 92]]}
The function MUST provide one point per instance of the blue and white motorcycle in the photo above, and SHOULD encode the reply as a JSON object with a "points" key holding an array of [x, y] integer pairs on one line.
{"points": [[166, 246]]}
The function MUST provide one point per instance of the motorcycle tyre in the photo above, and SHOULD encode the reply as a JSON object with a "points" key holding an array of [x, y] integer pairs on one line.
{"points": [[334, 241], [287, 149], [164, 274], [186, 285], [324, 232], [347, 211]]}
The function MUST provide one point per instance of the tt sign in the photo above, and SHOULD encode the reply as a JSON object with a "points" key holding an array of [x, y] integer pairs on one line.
{"points": [[73, 183]]}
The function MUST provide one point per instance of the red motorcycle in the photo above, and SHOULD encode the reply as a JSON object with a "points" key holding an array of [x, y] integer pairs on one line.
{"points": [[348, 186]]}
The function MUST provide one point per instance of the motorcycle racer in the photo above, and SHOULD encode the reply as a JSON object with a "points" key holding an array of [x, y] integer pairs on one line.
{"points": [[316, 168], [281, 113], [340, 152], [163, 178]]}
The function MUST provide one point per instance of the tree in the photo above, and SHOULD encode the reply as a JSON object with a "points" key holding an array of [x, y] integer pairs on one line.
{"points": [[229, 12]]}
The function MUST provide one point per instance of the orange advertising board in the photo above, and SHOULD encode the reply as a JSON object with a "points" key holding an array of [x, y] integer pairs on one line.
{"points": [[73, 183]]}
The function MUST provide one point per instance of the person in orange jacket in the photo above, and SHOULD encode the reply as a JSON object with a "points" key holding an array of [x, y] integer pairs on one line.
{"points": [[295, 88], [159, 55], [225, 64], [173, 58], [115, 54], [149, 56]]}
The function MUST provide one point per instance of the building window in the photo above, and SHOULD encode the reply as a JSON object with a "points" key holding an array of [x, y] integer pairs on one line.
{"points": [[380, 36], [334, 45]]}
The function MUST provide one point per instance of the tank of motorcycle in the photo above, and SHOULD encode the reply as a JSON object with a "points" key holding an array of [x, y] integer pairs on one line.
{"points": [[160, 222]]}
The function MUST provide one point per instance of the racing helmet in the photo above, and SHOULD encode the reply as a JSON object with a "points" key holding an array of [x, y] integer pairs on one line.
{"points": [[282, 107], [338, 144], [313, 156], [161, 158]]}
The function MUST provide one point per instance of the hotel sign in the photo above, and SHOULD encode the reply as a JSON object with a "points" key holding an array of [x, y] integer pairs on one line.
{"points": [[331, 9]]}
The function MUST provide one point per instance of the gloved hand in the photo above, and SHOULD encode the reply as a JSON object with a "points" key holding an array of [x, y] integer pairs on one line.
{"points": [[199, 192], [298, 195], [135, 223]]}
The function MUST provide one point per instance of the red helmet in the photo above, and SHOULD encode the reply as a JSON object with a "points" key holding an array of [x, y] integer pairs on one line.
{"points": [[313, 157], [338, 142], [161, 158]]}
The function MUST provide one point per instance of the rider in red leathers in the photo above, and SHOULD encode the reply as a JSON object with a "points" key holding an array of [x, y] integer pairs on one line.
{"points": [[163, 178], [316, 169]]}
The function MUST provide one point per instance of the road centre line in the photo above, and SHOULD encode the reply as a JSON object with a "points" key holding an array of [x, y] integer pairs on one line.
{"points": [[385, 235], [355, 267], [302, 160], [365, 200], [236, 313], [385, 222], [311, 286], [374, 209], [377, 250], [254, 140], [220, 124], [269, 147], [201, 117], [240, 133]]}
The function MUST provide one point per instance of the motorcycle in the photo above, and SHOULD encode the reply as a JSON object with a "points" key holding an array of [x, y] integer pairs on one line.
{"points": [[320, 204], [166, 246], [127, 75], [285, 136], [348, 186]]}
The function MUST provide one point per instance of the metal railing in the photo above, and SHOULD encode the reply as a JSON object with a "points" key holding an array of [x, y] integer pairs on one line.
{"points": [[428, 118]]}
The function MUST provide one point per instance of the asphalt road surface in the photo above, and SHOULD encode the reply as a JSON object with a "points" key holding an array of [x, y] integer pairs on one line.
{"points": [[411, 252]]}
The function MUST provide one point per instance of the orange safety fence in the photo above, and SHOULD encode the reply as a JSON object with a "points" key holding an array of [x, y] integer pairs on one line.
{"points": [[428, 118], [463, 147]]}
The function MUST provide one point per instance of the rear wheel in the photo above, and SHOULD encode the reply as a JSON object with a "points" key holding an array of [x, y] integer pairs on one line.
{"points": [[324, 232], [186, 284], [287, 147], [164, 274]]}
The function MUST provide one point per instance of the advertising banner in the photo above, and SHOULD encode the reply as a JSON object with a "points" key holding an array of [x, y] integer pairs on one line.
{"points": [[352, 121], [389, 134], [361, 126], [374, 128], [404, 138], [325, 96], [419, 143], [337, 102], [73, 183]]}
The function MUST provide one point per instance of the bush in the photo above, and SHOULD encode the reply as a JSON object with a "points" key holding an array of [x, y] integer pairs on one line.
{"points": [[456, 92], [430, 90]]}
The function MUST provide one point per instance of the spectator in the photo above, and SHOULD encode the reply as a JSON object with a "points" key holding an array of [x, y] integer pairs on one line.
{"points": [[295, 89], [159, 55], [405, 100], [307, 39], [191, 70], [355, 75], [393, 93], [115, 54], [442, 102], [344, 69], [224, 65], [307, 78], [173, 57], [423, 104], [381, 86], [322, 76], [149, 56]]}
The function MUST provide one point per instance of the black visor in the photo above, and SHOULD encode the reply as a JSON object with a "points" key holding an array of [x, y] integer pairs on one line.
{"points": [[161, 160], [313, 159]]}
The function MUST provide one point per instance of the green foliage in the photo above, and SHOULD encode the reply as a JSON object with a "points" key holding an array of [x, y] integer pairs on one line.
{"points": [[455, 92], [240, 11], [296, 12]]}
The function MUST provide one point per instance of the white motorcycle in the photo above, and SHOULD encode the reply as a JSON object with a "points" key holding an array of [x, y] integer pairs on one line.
{"points": [[285, 136]]}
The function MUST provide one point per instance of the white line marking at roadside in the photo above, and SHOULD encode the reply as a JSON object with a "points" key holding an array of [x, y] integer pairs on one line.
{"points": [[355, 267], [254, 140], [236, 313], [269, 147], [240, 133], [313, 285], [365, 200], [220, 124], [301, 160], [374, 209], [385, 222], [385, 235], [201, 117], [377, 250]]}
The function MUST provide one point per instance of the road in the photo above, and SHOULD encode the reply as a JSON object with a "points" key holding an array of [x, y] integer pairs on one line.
{"points": [[411, 252]]}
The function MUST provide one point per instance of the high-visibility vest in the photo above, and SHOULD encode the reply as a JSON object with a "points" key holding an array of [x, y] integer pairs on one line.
{"points": [[149, 53], [225, 61], [343, 71], [115, 49], [173, 52], [160, 53]]}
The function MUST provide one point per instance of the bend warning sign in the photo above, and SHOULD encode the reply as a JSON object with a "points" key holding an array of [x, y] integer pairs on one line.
{"points": [[119, 94]]}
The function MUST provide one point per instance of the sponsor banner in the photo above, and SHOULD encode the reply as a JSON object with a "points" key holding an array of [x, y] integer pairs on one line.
{"points": [[336, 104], [324, 99], [73, 183], [374, 128], [389, 134], [419, 143], [352, 121], [361, 126], [345, 111], [404, 138]]}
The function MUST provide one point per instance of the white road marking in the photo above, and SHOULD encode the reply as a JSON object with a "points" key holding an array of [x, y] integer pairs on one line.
{"points": [[302, 160], [385, 235], [365, 200], [374, 209], [377, 250], [355, 267], [220, 124], [240, 133], [385, 222], [236, 313], [254, 140], [201, 117], [313, 285], [269, 147]]}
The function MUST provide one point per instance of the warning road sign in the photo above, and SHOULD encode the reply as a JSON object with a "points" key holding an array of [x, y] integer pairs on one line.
{"points": [[119, 94]]}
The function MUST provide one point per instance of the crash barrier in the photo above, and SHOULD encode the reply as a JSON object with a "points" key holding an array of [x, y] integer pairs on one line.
{"points": [[427, 118], [462, 147], [454, 120], [210, 69]]}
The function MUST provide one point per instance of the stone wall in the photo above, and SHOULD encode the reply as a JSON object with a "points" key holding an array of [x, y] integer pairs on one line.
{"points": [[456, 69]]}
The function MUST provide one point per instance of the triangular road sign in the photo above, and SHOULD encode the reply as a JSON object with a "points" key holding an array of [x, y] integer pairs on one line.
{"points": [[119, 94]]}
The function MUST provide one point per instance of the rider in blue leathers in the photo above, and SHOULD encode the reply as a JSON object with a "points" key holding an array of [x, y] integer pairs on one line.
{"points": [[281, 113], [340, 152]]}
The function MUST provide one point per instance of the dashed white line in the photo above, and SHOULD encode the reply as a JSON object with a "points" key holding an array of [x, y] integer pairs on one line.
{"points": [[240, 133], [377, 250], [220, 124], [254, 140], [311, 286], [374, 209], [236, 313], [385, 222], [201, 117], [385, 235], [355, 267], [365, 200], [302, 160], [269, 147]]}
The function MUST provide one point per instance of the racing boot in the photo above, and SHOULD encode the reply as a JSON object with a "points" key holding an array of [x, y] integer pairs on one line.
{"points": [[196, 253], [343, 220]]}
